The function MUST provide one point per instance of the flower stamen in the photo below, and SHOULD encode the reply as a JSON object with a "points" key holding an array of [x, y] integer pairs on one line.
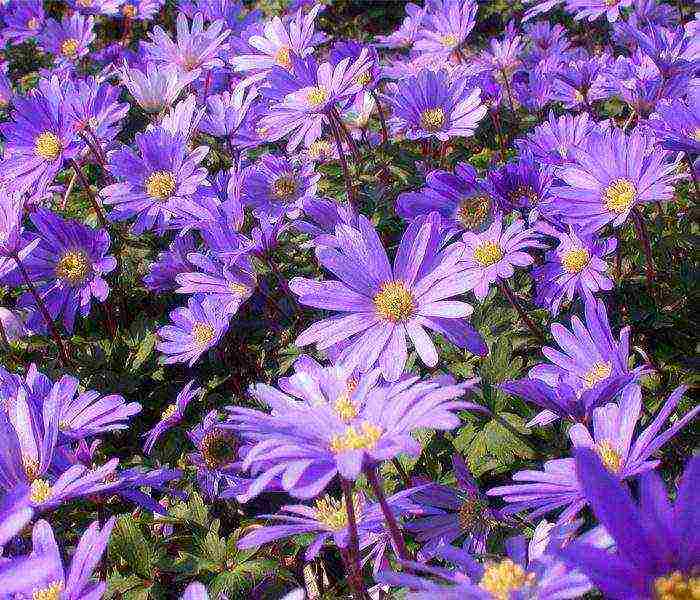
{"points": [[488, 253], [352, 439], [575, 260], [394, 302], [619, 195], [433, 119], [504, 577], [160, 185], [47, 145]]}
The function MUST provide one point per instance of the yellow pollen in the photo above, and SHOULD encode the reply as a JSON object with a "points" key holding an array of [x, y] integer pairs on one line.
{"points": [[169, 411], [600, 371], [332, 512], [40, 491], [619, 195], [472, 512], [574, 261], [394, 302], [282, 58], [344, 407], [203, 333], [473, 212], [504, 577], [284, 187], [433, 119], [47, 145], [488, 253], [364, 78], [449, 41], [611, 2], [320, 149], [677, 586], [237, 288], [33, 23], [31, 467], [351, 439], [317, 95], [73, 267], [160, 185], [129, 11], [85, 3], [53, 592], [218, 448], [609, 456], [69, 47]]}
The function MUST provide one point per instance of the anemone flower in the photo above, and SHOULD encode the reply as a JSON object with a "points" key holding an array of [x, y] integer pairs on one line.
{"points": [[157, 87], [171, 416]]}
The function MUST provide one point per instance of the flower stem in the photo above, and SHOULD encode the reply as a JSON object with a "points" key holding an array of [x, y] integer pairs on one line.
{"points": [[394, 531], [63, 354], [694, 177], [507, 86], [497, 126], [353, 552], [508, 293], [402, 472], [93, 200], [343, 163], [346, 134], [644, 238], [382, 120]]}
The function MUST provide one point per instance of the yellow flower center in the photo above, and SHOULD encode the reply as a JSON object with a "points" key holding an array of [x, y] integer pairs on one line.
{"points": [[677, 586], [600, 371], [53, 592], [129, 11], [504, 577], [40, 491], [160, 185], [344, 407], [473, 212], [203, 333], [433, 119], [237, 288], [69, 47], [33, 23], [47, 145], [282, 58], [333, 513], [609, 456], [74, 267], [449, 41], [488, 253], [317, 95], [394, 302], [218, 448], [472, 512], [31, 467], [85, 3], [320, 149], [169, 411], [574, 261], [619, 195], [284, 187], [352, 439], [364, 78], [611, 2]]}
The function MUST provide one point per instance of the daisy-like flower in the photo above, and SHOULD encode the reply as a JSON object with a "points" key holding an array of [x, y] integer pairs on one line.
{"points": [[41, 575], [370, 78], [623, 454], [164, 172], [463, 201], [277, 42], [383, 305], [576, 267], [22, 20], [170, 262], [141, 10], [614, 174], [327, 519], [327, 421], [446, 26], [448, 513], [580, 82], [171, 416], [194, 330], [656, 551], [276, 187], [321, 215], [39, 138], [96, 7], [302, 99], [434, 105], [68, 40], [69, 265], [407, 33], [677, 123], [231, 115], [592, 9], [489, 257], [532, 571], [554, 140], [158, 87], [195, 49], [13, 241]]}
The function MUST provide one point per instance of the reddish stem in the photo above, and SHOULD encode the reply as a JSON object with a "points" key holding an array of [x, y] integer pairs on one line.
{"points": [[508, 293]]}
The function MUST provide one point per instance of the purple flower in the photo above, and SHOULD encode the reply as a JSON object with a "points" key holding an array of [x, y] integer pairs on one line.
{"points": [[156, 88], [171, 416], [41, 574], [554, 141], [161, 273], [579, 82], [164, 172], [320, 218], [196, 48], [449, 512], [623, 454], [195, 591], [460, 199], [435, 105], [677, 123], [657, 552], [195, 330], [69, 265], [39, 138], [68, 40], [22, 20], [13, 241], [325, 422], [488, 257], [232, 116], [141, 10], [101, 7], [576, 267], [383, 304], [274, 186], [127, 484], [446, 26], [613, 175], [407, 33]]}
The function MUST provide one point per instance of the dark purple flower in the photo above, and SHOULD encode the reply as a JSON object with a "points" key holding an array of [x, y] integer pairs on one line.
{"points": [[22, 20], [68, 40], [677, 123], [161, 273]]}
